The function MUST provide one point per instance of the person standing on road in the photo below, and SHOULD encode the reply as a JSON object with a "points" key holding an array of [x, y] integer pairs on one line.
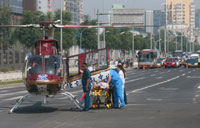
{"points": [[116, 81], [121, 75], [198, 62], [86, 83], [125, 75]]}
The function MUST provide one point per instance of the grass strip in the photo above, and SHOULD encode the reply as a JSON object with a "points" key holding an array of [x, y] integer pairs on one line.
{"points": [[10, 82]]}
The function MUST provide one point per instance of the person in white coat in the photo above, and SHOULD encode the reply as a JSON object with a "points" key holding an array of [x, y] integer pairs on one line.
{"points": [[121, 74]]}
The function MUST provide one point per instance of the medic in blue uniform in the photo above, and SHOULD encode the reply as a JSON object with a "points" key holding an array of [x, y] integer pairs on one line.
{"points": [[86, 83], [116, 81]]}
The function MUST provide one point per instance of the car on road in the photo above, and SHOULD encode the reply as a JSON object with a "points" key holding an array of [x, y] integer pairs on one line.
{"points": [[172, 62], [159, 62], [191, 63]]}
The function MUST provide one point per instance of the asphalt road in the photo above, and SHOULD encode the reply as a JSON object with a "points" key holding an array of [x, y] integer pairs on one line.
{"points": [[157, 98]]}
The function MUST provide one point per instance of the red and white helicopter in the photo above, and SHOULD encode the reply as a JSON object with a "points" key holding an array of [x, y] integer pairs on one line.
{"points": [[48, 72]]}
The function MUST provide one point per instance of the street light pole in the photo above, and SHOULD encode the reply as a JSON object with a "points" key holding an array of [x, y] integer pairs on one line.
{"points": [[151, 46], [98, 34], [61, 30], [133, 44], [165, 41], [159, 42]]}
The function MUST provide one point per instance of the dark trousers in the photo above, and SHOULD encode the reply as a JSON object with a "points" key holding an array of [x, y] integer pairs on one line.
{"points": [[87, 100], [198, 65], [125, 96]]}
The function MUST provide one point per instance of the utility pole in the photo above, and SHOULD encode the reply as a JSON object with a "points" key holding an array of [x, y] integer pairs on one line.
{"points": [[165, 42], [151, 46], [159, 42], [61, 30], [181, 41], [176, 42], [98, 34], [133, 44]]}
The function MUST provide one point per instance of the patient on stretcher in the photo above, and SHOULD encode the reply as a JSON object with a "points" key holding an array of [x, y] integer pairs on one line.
{"points": [[101, 84]]}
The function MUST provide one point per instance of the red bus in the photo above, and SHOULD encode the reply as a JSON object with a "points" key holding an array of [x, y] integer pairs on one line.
{"points": [[147, 58]]}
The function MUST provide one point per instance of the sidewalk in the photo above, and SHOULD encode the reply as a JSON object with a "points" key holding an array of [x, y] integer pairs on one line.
{"points": [[11, 76]]}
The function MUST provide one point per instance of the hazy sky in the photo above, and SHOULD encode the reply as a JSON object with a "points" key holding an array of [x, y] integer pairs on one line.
{"points": [[91, 5]]}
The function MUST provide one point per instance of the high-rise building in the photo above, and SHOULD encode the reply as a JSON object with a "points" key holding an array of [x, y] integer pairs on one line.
{"points": [[197, 18], [44, 5], [180, 12], [158, 19], [149, 21], [29, 5], [75, 7], [15, 5]]}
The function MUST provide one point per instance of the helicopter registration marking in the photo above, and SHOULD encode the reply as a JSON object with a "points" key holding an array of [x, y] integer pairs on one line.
{"points": [[42, 77]]}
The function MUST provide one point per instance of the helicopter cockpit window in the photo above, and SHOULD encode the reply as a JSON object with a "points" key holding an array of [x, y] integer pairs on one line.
{"points": [[52, 65], [34, 65]]}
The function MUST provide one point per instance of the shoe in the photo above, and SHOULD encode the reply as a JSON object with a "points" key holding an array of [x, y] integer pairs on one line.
{"points": [[85, 110]]}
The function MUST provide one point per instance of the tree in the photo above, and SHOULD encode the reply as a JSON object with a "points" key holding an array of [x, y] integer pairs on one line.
{"points": [[28, 36], [68, 33], [5, 33], [89, 35]]}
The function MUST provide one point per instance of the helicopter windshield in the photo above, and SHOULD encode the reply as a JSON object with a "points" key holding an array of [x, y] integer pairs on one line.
{"points": [[52, 64], [35, 65]]}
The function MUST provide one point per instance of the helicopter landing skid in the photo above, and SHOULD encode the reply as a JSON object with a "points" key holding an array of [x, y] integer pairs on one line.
{"points": [[73, 98], [19, 102]]}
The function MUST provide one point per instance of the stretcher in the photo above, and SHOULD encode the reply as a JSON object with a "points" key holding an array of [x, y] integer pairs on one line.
{"points": [[99, 92]]}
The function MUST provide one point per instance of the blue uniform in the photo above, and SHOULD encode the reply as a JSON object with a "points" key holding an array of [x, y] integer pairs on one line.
{"points": [[117, 83], [85, 77]]}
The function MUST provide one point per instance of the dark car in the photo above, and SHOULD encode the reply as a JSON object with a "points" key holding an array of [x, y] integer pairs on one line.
{"points": [[191, 63]]}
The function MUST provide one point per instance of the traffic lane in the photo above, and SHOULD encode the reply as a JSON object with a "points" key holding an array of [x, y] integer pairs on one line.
{"points": [[133, 115], [180, 90], [150, 72], [171, 104], [148, 80]]}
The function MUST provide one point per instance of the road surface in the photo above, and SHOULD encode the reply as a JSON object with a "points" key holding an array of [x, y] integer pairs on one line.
{"points": [[157, 98]]}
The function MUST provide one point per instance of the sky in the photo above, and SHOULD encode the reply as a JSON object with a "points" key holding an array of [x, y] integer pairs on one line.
{"points": [[89, 6]]}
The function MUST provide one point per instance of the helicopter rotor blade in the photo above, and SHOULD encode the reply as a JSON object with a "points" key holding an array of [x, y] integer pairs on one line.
{"points": [[103, 26], [21, 26]]}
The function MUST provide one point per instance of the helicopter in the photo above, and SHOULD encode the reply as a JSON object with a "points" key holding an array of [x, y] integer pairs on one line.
{"points": [[48, 72]]}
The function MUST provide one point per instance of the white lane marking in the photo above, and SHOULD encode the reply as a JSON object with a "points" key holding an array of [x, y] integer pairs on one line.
{"points": [[13, 93], [168, 89], [131, 73], [183, 74], [3, 91], [159, 78], [153, 85], [155, 71], [136, 79], [198, 87], [79, 91], [193, 77], [180, 70], [189, 72], [151, 99], [169, 71], [17, 86], [14, 98], [153, 75]]}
